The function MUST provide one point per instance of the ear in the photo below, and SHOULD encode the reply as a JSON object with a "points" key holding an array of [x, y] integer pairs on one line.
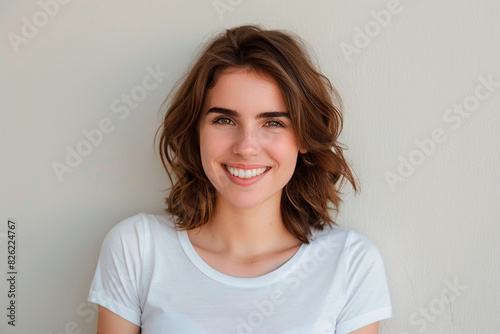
{"points": [[302, 150]]}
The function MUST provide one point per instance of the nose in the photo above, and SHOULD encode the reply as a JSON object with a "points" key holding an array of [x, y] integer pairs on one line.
{"points": [[247, 143]]}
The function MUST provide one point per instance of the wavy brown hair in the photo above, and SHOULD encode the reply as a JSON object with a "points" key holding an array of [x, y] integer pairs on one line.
{"points": [[315, 110]]}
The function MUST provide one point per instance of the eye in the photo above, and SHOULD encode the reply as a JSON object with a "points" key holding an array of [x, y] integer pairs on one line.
{"points": [[222, 121], [274, 123]]}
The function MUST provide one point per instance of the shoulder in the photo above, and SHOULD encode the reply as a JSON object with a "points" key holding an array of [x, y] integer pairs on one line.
{"points": [[353, 247], [141, 222], [341, 236], [134, 230], [363, 280]]}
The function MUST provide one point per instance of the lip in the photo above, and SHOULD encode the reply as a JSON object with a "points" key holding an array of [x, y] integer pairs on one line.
{"points": [[244, 182], [245, 166]]}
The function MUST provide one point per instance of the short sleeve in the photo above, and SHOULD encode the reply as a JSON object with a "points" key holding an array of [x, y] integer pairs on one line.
{"points": [[367, 298], [116, 281]]}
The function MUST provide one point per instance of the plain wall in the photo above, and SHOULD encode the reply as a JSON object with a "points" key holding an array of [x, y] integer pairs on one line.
{"points": [[421, 124]]}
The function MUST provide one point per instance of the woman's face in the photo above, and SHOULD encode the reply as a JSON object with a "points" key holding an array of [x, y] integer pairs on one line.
{"points": [[247, 144]]}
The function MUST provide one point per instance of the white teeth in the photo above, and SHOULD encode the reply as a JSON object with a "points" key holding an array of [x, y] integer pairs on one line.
{"points": [[245, 174]]}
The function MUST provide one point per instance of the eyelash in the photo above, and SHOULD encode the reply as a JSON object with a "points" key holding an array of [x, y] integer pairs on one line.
{"points": [[280, 124], [216, 121]]}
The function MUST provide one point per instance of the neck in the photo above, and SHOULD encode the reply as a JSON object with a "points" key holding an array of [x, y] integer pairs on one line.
{"points": [[247, 233]]}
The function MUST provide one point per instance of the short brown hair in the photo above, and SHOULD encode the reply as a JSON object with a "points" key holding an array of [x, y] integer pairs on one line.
{"points": [[317, 121]]}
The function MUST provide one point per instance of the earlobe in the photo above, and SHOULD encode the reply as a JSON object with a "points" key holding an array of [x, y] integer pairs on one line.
{"points": [[302, 150]]}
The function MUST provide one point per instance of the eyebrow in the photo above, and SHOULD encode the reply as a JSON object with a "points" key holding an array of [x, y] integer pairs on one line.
{"points": [[234, 113]]}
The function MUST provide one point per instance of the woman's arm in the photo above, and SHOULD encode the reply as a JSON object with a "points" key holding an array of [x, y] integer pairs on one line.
{"points": [[370, 329], [110, 323]]}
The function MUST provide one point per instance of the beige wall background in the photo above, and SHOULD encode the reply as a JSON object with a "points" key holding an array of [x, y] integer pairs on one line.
{"points": [[81, 84]]}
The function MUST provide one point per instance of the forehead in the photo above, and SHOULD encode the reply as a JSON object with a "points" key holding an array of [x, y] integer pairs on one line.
{"points": [[245, 89]]}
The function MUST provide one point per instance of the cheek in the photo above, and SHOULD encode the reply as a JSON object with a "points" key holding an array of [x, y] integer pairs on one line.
{"points": [[285, 154], [212, 146], [280, 140], [285, 146]]}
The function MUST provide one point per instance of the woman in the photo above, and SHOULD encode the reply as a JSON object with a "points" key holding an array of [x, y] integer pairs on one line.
{"points": [[249, 245]]}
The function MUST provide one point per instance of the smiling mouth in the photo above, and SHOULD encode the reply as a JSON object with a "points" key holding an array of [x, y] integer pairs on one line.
{"points": [[246, 173]]}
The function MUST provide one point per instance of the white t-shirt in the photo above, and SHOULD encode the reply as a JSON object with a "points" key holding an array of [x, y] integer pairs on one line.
{"points": [[150, 274]]}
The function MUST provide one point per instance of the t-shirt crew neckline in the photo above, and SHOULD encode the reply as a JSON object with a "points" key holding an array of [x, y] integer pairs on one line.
{"points": [[242, 282]]}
